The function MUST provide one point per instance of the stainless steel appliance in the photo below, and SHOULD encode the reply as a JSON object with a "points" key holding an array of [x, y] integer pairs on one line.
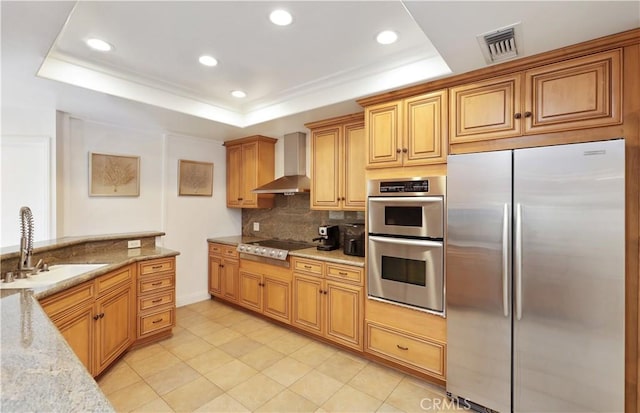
{"points": [[353, 240], [271, 251], [329, 237], [405, 256], [536, 278]]}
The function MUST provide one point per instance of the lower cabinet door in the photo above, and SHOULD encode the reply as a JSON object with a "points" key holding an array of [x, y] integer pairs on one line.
{"points": [[308, 298], [115, 327], [230, 274], [215, 276], [250, 291], [344, 314], [277, 299], [78, 329]]}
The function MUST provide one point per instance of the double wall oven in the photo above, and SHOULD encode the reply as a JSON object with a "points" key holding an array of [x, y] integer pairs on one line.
{"points": [[406, 225]]}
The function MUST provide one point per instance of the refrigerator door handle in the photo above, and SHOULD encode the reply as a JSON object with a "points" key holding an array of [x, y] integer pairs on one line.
{"points": [[505, 260], [518, 258]]}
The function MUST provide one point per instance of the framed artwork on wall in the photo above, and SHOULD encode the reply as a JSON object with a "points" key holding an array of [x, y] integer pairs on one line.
{"points": [[195, 178], [114, 175]]}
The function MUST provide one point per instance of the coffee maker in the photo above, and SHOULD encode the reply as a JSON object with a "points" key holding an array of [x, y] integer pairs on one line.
{"points": [[353, 242], [329, 237]]}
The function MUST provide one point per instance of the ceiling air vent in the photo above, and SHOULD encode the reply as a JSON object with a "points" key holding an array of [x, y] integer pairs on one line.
{"points": [[501, 44]]}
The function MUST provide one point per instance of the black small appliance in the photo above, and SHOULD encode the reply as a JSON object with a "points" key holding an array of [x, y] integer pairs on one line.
{"points": [[353, 240], [329, 237]]}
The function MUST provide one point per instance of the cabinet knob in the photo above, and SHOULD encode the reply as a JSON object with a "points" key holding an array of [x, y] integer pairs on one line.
{"points": [[101, 315], [97, 316], [405, 150], [517, 115], [398, 150], [527, 114]]}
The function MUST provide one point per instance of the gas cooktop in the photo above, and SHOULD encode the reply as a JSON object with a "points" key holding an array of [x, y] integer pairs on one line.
{"points": [[272, 248]]}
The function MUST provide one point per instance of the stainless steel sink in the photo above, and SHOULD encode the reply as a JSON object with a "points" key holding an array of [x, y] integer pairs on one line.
{"points": [[56, 274]]}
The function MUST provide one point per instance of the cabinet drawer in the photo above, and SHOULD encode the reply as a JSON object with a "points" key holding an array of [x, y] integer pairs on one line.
{"points": [[411, 351], [155, 284], [156, 300], [63, 301], [156, 266], [307, 266], [344, 273], [152, 323], [229, 251], [215, 249], [113, 280]]}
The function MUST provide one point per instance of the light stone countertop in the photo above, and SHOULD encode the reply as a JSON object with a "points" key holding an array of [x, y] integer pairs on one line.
{"points": [[39, 371]]}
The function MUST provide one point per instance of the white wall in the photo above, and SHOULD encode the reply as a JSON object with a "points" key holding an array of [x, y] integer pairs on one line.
{"points": [[190, 220], [28, 151], [187, 221]]}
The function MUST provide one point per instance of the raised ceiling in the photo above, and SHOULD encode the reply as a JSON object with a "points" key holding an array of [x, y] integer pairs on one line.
{"points": [[314, 68]]}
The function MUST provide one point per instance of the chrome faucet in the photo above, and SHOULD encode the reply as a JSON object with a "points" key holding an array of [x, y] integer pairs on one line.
{"points": [[26, 242]]}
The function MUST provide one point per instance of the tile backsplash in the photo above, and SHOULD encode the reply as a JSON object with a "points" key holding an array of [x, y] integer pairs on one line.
{"points": [[292, 219]]}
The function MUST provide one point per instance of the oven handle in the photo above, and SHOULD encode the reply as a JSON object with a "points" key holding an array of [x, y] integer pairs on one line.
{"points": [[404, 241], [405, 199]]}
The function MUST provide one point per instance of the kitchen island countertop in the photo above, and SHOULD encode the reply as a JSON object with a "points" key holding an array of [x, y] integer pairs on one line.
{"points": [[39, 371]]}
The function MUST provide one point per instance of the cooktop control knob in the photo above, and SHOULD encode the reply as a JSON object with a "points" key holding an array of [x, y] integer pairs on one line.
{"points": [[264, 251], [241, 248], [281, 254], [272, 253]]}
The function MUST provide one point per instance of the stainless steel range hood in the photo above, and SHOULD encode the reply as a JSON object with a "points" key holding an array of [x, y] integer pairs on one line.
{"points": [[295, 179]]}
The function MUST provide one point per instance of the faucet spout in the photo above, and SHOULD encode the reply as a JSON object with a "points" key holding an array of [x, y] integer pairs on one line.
{"points": [[26, 241]]}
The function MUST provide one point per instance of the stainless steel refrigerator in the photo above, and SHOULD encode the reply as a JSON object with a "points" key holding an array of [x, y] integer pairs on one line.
{"points": [[535, 278]]}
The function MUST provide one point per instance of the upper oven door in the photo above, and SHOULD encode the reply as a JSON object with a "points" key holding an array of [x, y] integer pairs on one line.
{"points": [[419, 216]]}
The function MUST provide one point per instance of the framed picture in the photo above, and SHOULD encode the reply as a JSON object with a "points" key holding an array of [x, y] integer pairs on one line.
{"points": [[114, 175], [195, 178]]}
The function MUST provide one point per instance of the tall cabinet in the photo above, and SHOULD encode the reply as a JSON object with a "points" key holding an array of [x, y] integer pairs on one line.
{"points": [[337, 163], [250, 163]]}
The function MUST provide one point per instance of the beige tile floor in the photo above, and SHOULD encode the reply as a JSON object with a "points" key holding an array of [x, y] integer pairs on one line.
{"points": [[225, 360]]}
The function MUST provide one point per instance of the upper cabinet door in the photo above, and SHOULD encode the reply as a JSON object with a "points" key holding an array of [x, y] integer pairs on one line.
{"points": [[234, 176], [425, 133], [325, 158], [383, 129], [355, 159], [574, 94], [249, 173], [486, 110]]}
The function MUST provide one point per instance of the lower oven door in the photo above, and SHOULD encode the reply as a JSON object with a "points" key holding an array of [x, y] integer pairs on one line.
{"points": [[407, 271]]}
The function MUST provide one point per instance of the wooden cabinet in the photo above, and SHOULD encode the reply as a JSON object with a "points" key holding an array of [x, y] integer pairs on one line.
{"points": [[250, 163], [407, 132], [266, 289], [573, 94], [156, 298], [328, 300], [97, 317], [223, 271], [411, 338], [338, 163]]}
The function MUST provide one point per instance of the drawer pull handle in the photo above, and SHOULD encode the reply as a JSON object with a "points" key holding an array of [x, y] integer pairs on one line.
{"points": [[342, 273], [402, 348], [156, 301], [157, 321], [156, 267], [156, 284], [307, 267]]}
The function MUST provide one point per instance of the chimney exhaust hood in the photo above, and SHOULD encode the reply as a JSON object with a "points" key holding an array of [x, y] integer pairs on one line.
{"points": [[295, 179]]}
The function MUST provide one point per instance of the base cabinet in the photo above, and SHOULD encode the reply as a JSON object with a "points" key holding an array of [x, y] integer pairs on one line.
{"points": [[224, 272], [265, 289], [96, 317], [156, 298], [331, 308]]}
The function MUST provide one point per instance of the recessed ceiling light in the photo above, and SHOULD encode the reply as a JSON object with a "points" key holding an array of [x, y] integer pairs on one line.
{"points": [[238, 94], [387, 37], [98, 44], [281, 17], [208, 60]]}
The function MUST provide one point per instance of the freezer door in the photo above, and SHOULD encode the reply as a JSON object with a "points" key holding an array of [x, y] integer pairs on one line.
{"points": [[569, 278], [478, 278]]}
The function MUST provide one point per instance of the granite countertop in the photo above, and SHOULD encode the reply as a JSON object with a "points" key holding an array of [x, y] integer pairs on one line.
{"points": [[336, 256], [39, 371]]}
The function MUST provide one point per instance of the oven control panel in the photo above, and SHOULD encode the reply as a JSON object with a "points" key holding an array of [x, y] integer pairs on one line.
{"points": [[404, 186], [424, 186]]}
